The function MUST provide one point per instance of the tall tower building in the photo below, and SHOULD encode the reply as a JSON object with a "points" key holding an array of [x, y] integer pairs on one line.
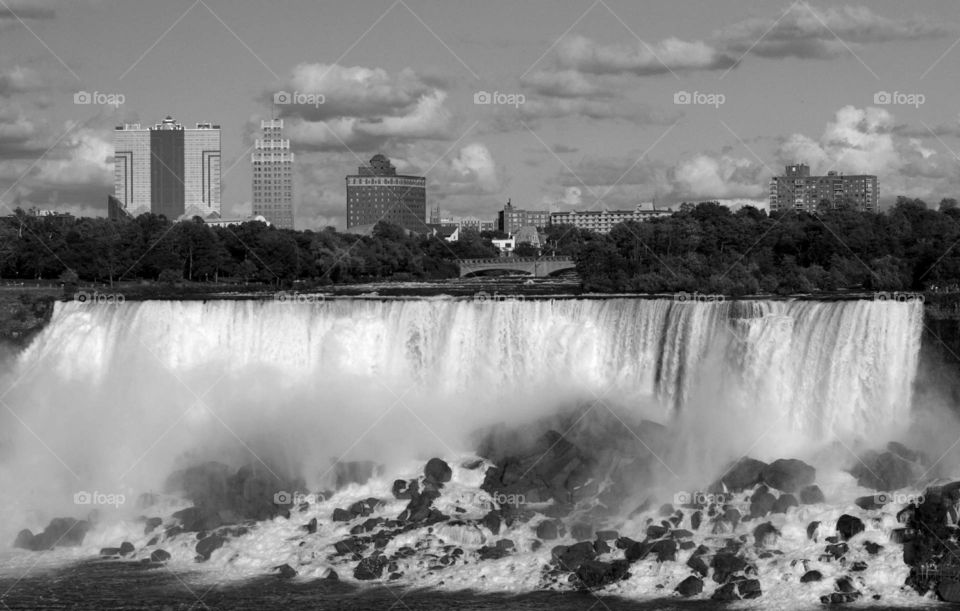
{"points": [[377, 193], [167, 169], [797, 190], [273, 175]]}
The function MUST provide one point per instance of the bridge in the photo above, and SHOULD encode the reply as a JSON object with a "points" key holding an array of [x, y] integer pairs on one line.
{"points": [[538, 267]]}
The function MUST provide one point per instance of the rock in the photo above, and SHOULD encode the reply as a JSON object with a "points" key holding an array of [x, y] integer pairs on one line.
{"points": [[637, 551], [548, 530], [680, 533], [761, 503], [812, 528], [869, 503], [601, 547], [331, 575], [745, 473], [839, 598], [341, 515], [858, 566], [665, 549], [902, 451], [405, 490], [849, 526], [696, 518], [885, 471], [725, 593], [151, 524], [311, 526], [749, 588], [783, 503], [60, 532], [437, 471], [505, 544], [595, 574], [492, 553], [572, 556], [872, 548], [581, 531], [788, 474], [110, 552], [655, 531], [370, 568], [811, 495], [811, 576], [208, 545], [837, 550], [24, 540], [285, 571], [159, 555], [765, 535], [492, 521], [697, 564], [691, 586], [196, 519], [607, 535], [726, 564]]}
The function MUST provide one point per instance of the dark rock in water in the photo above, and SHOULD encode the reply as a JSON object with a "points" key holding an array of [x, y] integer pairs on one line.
{"points": [[548, 530], [110, 552], [949, 590], [351, 546], [341, 515], [572, 556], [858, 566], [726, 564], [869, 503], [885, 471], [665, 549], [849, 526], [810, 576], [761, 503], [691, 586], [370, 568], [697, 564], [872, 548], [195, 519], [506, 544], [405, 490], [360, 509], [159, 555], [725, 593], [695, 520], [581, 531], [839, 598], [209, 545], [331, 575], [552, 468], [24, 540], [492, 553], [666, 510], [812, 530], [601, 547], [655, 531], [637, 551], [355, 472], [437, 471], [811, 495], [895, 447], [595, 574], [837, 550], [624, 542], [746, 473], [126, 548], [765, 535], [60, 532], [285, 571], [311, 526], [151, 524], [492, 521], [680, 533], [607, 535], [788, 474], [845, 585], [783, 503], [749, 588]]}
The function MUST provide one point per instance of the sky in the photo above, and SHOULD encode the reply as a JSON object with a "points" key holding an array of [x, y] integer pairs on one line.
{"points": [[590, 104]]}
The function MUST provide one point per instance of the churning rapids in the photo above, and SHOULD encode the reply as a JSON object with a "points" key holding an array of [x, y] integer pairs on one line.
{"points": [[299, 435]]}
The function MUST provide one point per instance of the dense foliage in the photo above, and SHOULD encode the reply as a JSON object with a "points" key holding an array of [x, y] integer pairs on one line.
{"points": [[707, 248]]}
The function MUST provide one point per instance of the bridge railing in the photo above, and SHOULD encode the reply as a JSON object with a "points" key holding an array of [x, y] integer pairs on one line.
{"points": [[509, 260]]}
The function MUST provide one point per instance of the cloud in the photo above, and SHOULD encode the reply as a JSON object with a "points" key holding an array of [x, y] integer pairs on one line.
{"points": [[16, 10], [18, 80], [563, 84], [711, 177], [360, 108], [811, 33], [671, 55]]}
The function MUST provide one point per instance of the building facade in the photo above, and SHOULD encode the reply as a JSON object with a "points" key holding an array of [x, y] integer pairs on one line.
{"points": [[167, 169], [602, 221], [377, 193], [272, 164], [511, 219], [797, 190]]}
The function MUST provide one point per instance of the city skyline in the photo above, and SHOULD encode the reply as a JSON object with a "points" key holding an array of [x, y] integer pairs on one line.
{"points": [[576, 104]]}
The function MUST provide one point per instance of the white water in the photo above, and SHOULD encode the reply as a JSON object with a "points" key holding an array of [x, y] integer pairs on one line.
{"points": [[112, 398]]}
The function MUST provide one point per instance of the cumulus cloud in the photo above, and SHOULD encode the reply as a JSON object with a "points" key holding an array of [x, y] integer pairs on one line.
{"points": [[588, 56], [332, 107], [711, 177], [18, 79]]}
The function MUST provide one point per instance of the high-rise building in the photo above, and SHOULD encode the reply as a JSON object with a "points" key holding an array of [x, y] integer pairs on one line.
{"points": [[511, 219], [273, 175], [797, 190], [167, 169], [377, 193]]}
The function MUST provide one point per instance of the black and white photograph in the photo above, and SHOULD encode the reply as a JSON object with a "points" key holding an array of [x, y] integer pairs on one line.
{"points": [[539, 305]]}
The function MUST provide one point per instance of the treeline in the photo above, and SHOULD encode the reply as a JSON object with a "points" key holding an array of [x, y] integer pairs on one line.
{"points": [[153, 248], [708, 248]]}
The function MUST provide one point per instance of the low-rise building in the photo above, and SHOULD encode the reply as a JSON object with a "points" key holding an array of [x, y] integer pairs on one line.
{"points": [[602, 221]]}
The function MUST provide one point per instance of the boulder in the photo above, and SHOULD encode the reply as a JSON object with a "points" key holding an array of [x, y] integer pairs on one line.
{"points": [[788, 474], [595, 574], [405, 490], [749, 588], [783, 503], [811, 576], [895, 447], [725, 593], [885, 471], [691, 586], [285, 571], [725, 564], [765, 535], [548, 530], [159, 555], [869, 503], [370, 568], [437, 471], [761, 503], [569, 557], [697, 563], [811, 495], [849, 526], [492, 521], [665, 549], [745, 473], [812, 528], [60, 532], [24, 540], [126, 548], [208, 545], [341, 515]]}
